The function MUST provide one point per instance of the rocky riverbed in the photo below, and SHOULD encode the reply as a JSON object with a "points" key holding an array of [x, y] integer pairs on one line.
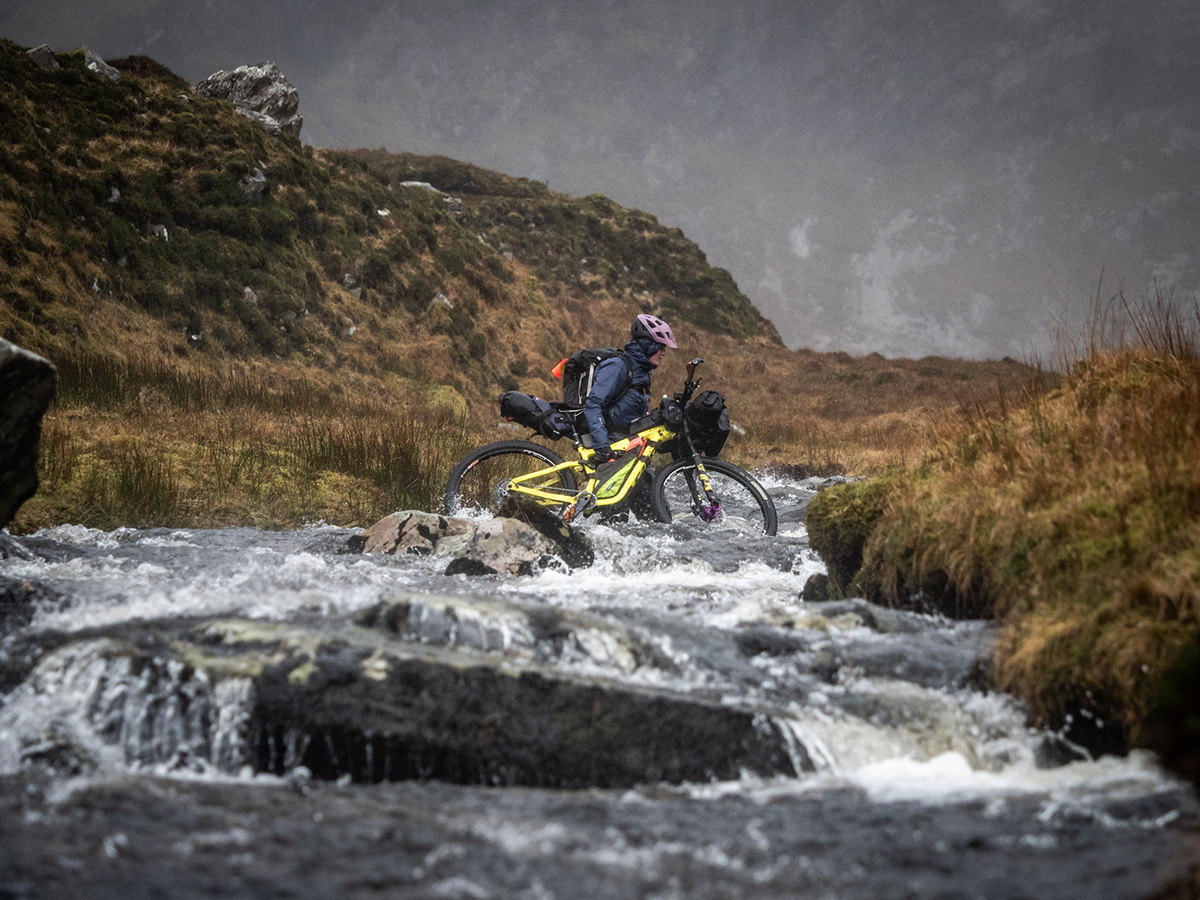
{"points": [[267, 714]]}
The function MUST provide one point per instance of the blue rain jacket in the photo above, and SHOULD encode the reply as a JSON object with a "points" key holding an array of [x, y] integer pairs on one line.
{"points": [[608, 407]]}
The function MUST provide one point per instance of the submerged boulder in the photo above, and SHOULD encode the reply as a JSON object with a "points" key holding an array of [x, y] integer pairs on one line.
{"points": [[260, 93], [26, 388]]}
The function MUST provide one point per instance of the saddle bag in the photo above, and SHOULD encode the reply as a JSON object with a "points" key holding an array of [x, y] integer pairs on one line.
{"points": [[534, 413]]}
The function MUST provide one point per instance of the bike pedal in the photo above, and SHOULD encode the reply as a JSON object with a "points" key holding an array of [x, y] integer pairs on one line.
{"points": [[584, 502]]}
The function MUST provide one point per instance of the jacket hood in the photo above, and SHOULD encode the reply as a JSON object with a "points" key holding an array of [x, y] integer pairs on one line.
{"points": [[639, 352]]}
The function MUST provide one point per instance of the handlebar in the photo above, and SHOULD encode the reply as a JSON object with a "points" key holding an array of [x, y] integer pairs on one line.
{"points": [[692, 382]]}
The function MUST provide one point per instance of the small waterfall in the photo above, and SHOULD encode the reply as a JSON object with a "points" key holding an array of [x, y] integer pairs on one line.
{"points": [[94, 703]]}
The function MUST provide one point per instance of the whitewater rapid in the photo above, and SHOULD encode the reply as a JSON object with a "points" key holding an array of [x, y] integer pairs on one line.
{"points": [[904, 744]]}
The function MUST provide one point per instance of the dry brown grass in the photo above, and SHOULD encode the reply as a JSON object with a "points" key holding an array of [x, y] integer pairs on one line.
{"points": [[1073, 518], [144, 442]]}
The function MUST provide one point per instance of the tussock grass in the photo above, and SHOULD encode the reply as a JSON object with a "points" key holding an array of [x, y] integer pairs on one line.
{"points": [[138, 442], [1073, 518]]}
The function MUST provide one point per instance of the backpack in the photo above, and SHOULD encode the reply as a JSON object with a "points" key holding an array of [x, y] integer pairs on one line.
{"points": [[535, 413], [578, 372]]}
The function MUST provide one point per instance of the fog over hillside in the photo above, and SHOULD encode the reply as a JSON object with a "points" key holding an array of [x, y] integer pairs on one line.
{"points": [[903, 176]]}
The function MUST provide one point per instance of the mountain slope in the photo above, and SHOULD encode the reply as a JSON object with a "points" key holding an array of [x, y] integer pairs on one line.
{"points": [[202, 284], [136, 199]]}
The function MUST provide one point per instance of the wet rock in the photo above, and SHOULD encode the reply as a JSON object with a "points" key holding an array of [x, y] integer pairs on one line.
{"points": [[571, 546], [18, 600], [489, 547], [11, 548], [502, 547], [258, 92], [759, 640], [58, 756], [26, 388], [816, 589], [1172, 727], [882, 619], [528, 633], [1054, 750], [419, 533], [351, 702]]}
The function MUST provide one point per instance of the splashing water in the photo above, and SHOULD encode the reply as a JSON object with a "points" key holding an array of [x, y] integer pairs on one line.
{"points": [[885, 716]]}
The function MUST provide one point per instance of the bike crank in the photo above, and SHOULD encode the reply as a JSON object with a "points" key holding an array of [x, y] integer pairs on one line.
{"points": [[584, 503]]}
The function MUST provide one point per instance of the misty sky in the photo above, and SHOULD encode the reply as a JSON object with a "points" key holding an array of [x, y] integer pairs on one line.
{"points": [[904, 176]]}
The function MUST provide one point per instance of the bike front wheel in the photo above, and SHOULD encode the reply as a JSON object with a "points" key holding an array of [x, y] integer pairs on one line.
{"points": [[481, 478], [742, 504]]}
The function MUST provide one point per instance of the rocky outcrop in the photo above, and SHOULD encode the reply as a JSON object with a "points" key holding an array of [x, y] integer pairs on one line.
{"points": [[42, 57], [252, 185], [499, 546], [97, 66], [26, 388], [260, 93]]}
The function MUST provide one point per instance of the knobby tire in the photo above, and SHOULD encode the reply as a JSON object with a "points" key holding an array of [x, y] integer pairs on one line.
{"points": [[745, 505], [479, 478]]}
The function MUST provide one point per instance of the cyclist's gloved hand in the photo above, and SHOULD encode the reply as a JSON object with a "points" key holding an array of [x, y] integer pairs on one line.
{"points": [[603, 454]]}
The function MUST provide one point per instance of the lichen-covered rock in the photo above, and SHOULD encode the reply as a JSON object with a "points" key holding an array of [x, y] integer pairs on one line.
{"points": [[419, 533], [98, 66], [26, 389], [258, 92], [500, 546]]}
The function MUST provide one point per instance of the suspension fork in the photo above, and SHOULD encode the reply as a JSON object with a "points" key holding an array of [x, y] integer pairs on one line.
{"points": [[705, 503]]}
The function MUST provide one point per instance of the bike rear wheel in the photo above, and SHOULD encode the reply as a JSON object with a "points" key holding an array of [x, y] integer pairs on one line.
{"points": [[480, 480], [743, 505]]}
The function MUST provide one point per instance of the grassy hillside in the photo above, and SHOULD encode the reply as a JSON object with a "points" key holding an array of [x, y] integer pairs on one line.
{"points": [[1075, 522], [327, 347]]}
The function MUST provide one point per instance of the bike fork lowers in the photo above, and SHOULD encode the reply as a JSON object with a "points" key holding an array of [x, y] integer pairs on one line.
{"points": [[704, 499]]}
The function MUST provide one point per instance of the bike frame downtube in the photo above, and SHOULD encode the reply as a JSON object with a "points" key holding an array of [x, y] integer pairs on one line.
{"points": [[532, 484]]}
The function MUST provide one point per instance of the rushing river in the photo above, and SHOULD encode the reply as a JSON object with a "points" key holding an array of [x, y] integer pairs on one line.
{"points": [[910, 778]]}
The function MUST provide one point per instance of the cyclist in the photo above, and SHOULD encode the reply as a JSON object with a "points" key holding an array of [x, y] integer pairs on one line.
{"points": [[621, 387]]}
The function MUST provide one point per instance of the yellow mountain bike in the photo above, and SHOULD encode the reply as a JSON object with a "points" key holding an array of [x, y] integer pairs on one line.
{"points": [[711, 492]]}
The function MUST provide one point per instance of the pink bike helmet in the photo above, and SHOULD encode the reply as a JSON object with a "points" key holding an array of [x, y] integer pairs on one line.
{"points": [[654, 328]]}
